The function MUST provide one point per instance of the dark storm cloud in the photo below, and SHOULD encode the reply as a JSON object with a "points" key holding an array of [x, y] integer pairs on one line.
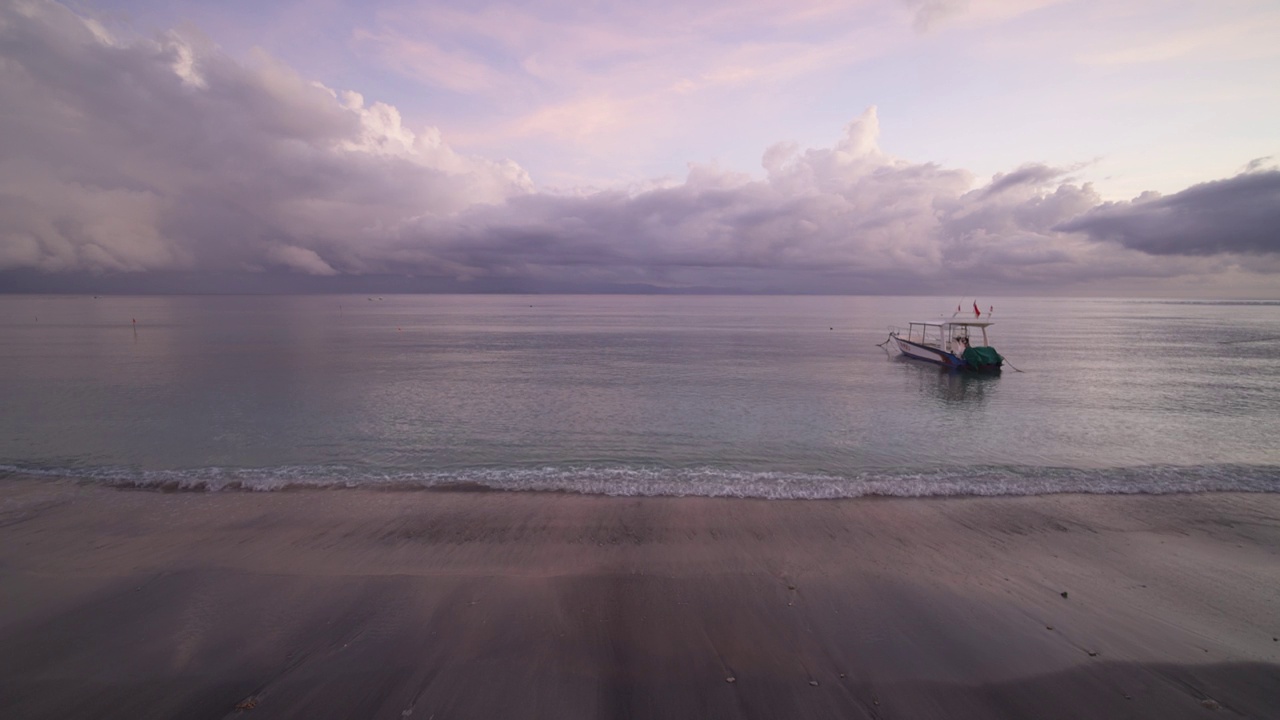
{"points": [[1236, 215], [162, 163]]}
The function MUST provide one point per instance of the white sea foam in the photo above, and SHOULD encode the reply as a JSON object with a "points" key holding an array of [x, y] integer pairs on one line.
{"points": [[697, 481]]}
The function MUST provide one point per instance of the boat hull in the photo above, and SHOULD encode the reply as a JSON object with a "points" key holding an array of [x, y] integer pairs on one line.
{"points": [[925, 353], [916, 351]]}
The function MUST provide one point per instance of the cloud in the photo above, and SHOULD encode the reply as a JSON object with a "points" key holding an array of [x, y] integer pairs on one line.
{"points": [[165, 158], [298, 258], [927, 14], [1176, 35], [593, 78], [455, 70], [1236, 215], [1033, 174], [164, 153], [849, 218], [1262, 163]]}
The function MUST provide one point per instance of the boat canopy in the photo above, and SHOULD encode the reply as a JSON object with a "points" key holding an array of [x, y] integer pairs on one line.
{"points": [[950, 323]]}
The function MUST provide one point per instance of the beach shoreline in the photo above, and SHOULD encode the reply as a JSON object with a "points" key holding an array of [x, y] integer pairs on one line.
{"points": [[455, 604]]}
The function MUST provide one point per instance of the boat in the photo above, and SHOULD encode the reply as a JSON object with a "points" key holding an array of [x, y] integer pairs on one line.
{"points": [[950, 343]]}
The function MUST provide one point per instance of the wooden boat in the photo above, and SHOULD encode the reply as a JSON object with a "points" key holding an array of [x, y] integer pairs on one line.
{"points": [[950, 343]]}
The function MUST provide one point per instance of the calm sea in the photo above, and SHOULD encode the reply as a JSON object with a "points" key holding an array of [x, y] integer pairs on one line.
{"points": [[777, 397]]}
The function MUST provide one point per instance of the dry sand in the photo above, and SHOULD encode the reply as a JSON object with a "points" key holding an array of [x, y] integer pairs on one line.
{"points": [[365, 604]]}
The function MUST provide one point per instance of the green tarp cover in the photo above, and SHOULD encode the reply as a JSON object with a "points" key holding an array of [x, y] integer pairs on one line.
{"points": [[979, 356]]}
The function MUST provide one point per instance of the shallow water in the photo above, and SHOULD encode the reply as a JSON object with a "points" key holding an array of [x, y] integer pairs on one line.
{"points": [[757, 396]]}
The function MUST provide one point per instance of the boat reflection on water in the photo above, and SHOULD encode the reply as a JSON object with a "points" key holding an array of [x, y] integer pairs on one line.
{"points": [[947, 385]]}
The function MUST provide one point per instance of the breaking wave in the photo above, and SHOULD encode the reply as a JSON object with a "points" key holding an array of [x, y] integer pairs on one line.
{"points": [[638, 481]]}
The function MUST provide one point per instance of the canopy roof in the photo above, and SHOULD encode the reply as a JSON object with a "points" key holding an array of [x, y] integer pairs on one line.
{"points": [[955, 321]]}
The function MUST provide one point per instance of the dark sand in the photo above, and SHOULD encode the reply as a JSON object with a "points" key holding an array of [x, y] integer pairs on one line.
{"points": [[363, 604]]}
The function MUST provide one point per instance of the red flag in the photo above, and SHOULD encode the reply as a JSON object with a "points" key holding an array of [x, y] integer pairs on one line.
{"points": [[976, 311]]}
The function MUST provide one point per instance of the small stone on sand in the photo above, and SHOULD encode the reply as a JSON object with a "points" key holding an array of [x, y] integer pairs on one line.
{"points": [[813, 683], [1064, 593], [731, 679]]}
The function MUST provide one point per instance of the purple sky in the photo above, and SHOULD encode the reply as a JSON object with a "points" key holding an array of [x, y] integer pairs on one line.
{"points": [[909, 146]]}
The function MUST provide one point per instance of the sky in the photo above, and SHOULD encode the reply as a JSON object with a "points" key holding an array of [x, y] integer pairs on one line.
{"points": [[780, 146]]}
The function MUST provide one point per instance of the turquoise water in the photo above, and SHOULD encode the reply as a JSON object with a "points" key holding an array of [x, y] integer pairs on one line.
{"points": [[749, 396]]}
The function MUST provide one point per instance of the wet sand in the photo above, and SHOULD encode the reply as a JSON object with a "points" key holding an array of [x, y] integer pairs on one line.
{"points": [[366, 604]]}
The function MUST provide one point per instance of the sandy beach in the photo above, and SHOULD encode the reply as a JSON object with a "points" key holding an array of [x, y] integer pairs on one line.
{"points": [[368, 604]]}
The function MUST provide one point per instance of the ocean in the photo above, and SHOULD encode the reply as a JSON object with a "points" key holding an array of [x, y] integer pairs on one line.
{"points": [[755, 396]]}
